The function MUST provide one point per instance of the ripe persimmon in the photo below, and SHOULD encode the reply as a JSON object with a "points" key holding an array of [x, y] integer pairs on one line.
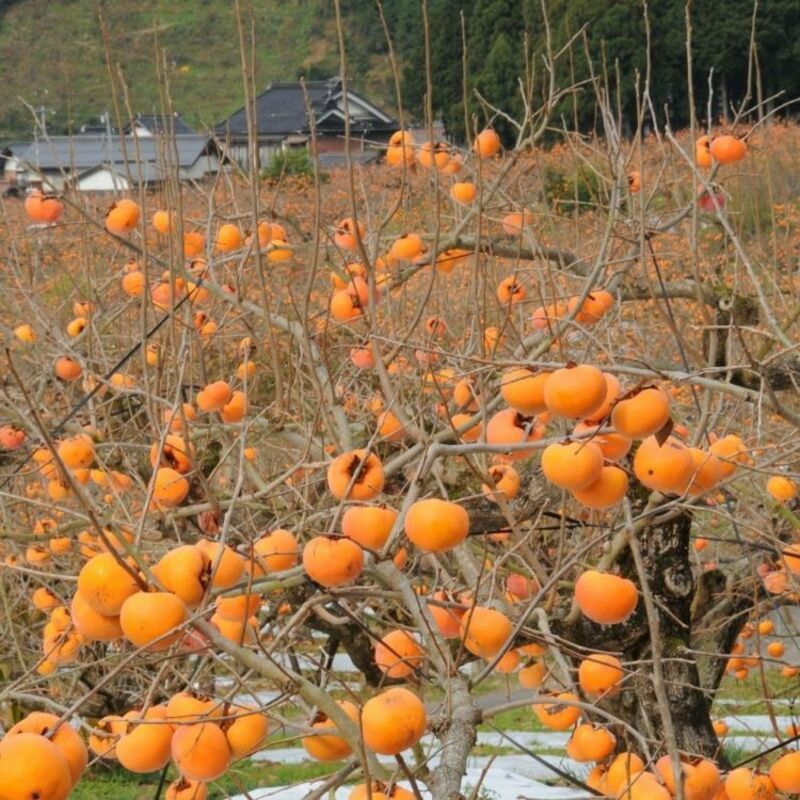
{"points": [[506, 482], [393, 721], [324, 746], [605, 598], [214, 396], [728, 149], [731, 451], [600, 674], [123, 217], [184, 572], [666, 468], [31, 766], [176, 453], [185, 789], [643, 414], [332, 562], [705, 471], [406, 248], [67, 369], [93, 627], [229, 238], [614, 446], [604, 493], [347, 233], [200, 751], [435, 525], [785, 773], [591, 743], [169, 488], [398, 654], [532, 675], [575, 392], [274, 552], [485, 631], [464, 192], [145, 745], [356, 475], [152, 618], [226, 566], [369, 526], [44, 209], [523, 390], [247, 732], [62, 735], [574, 465], [105, 585], [487, 143], [554, 714], [104, 736], [781, 488], [447, 619], [162, 222], [510, 427], [703, 152], [743, 783], [190, 706], [510, 291]]}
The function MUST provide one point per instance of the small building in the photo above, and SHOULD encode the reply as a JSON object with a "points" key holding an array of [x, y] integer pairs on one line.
{"points": [[287, 114], [155, 124], [10, 165], [99, 163]]}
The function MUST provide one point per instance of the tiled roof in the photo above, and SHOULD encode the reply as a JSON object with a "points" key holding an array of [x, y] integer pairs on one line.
{"points": [[282, 109]]}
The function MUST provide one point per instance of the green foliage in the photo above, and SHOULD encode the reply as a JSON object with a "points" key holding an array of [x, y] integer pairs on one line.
{"points": [[114, 783], [58, 58], [293, 161], [568, 190]]}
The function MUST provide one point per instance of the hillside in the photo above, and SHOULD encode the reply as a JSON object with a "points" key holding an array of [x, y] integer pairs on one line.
{"points": [[54, 56]]}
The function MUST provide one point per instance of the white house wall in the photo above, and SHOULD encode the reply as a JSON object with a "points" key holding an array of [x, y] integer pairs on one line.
{"points": [[203, 166], [103, 180], [240, 153]]}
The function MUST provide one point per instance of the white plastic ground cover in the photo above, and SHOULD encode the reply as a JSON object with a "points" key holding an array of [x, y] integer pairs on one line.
{"points": [[505, 780], [515, 777]]}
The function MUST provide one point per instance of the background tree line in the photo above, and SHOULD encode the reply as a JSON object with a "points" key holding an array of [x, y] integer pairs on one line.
{"points": [[503, 35]]}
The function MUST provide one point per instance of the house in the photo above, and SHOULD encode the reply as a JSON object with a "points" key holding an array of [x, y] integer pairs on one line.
{"points": [[154, 124], [286, 112], [10, 165], [99, 162]]}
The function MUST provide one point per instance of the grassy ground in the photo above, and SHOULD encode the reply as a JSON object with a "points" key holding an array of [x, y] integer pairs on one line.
{"points": [[748, 694], [116, 784]]}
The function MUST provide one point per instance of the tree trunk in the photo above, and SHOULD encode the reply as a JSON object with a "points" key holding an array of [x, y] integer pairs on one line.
{"points": [[665, 553]]}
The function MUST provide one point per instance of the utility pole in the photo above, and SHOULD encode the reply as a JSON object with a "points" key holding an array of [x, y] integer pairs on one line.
{"points": [[41, 117]]}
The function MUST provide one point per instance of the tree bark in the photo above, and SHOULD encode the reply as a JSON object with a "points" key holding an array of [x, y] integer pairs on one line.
{"points": [[665, 553]]}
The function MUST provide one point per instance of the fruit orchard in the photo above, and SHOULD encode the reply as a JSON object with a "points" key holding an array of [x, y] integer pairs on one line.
{"points": [[438, 414]]}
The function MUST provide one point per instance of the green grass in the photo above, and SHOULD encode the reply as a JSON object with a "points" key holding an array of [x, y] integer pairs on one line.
{"points": [[749, 694], [517, 719], [116, 784]]}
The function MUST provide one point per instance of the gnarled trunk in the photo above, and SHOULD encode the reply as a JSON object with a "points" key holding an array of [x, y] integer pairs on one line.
{"points": [[689, 682]]}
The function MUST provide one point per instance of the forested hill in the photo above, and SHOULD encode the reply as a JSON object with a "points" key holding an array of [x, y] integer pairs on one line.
{"points": [[53, 57]]}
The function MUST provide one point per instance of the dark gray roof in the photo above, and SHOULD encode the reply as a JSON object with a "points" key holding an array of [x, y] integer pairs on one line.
{"points": [[146, 172], [339, 160], [80, 153], [15, 147], [281, 110], [157, 123]]}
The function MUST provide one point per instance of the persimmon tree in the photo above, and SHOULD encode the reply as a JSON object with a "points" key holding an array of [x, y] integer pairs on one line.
{"points": [[442, 414]]}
